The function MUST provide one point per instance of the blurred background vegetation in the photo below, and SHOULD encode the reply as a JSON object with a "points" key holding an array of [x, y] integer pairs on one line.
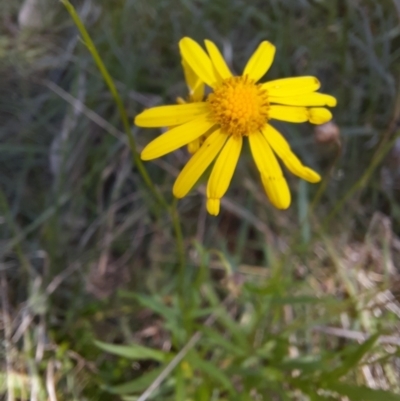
{"points": [[295, 305]]}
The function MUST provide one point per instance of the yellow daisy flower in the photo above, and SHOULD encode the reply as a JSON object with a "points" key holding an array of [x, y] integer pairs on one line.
{"points": [[237, 107]]}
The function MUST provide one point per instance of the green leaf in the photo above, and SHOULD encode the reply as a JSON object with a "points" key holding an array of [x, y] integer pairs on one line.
{"points": [[210, 370], [173, 319], [134, 351], [223, 317], [203, 391], [362, 393], [180, 388], [351, 360], [158, 306], [217, 339], [306, 364], [139, 384], [301, 300]]}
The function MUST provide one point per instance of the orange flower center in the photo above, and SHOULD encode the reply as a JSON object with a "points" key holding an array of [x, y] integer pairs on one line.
{"points": [[239, 106]]}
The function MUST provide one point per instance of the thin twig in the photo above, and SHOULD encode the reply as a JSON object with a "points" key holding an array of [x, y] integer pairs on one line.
{"points": [[181, 354], [356, 335], [79, 106], [57, 280], [51, 389]]}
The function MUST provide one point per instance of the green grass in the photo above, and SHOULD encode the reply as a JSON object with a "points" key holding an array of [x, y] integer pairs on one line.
{"points": [[270, 305]]}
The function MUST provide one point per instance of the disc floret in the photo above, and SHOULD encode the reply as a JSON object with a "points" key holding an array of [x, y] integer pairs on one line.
{"points": [[239, 106]]}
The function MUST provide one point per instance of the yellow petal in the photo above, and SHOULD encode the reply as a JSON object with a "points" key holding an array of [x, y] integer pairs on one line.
{"points": [[198, 60], [291, 86], [282, 148], [176, 138], [217, 60], [197, 94], [289, 113], [279, 195], [194, 84], [193, 146], [165, 116], [308, 99], [274, 182], [213, 206], [190, 77], [198, 163], [260, 61], [224, 168], [319, 115]]}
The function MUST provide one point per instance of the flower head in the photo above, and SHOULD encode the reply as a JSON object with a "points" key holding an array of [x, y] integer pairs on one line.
{"points": [[238, 107]]}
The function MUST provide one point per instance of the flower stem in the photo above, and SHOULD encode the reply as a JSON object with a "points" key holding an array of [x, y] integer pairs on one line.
{"points": [[117, 98], [179, 236], [125, 121]]}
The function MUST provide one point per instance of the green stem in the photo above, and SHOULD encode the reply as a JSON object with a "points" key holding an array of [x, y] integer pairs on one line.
{"points": [[117, 98], [142, 170], [179, 239], [184, 299]]}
